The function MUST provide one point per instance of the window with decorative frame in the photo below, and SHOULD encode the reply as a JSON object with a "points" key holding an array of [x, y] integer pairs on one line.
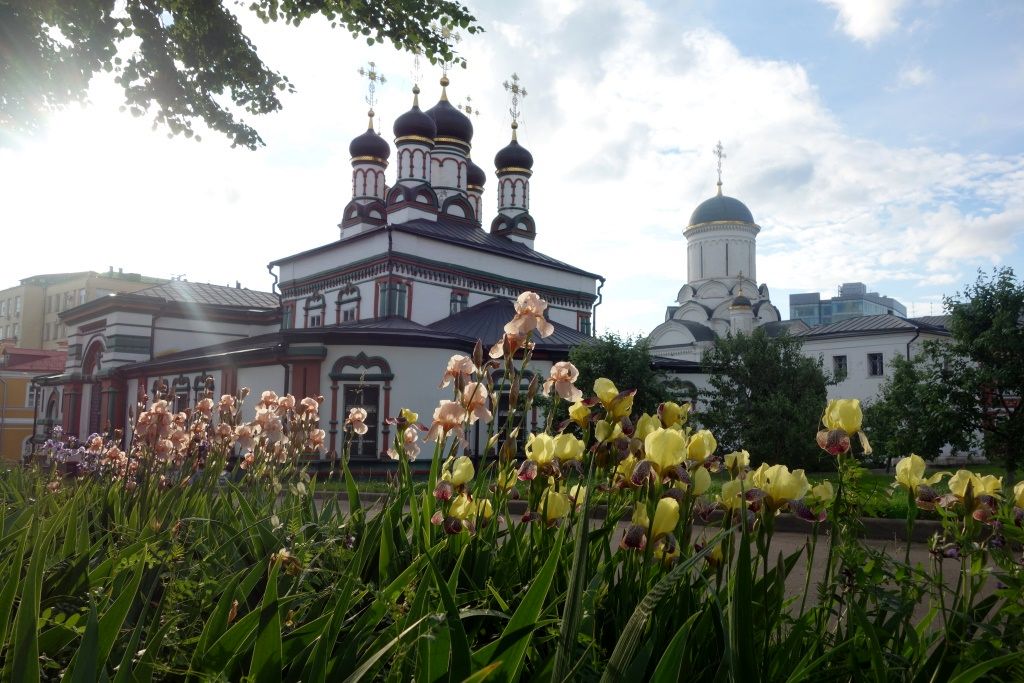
{"points": [[392, 299], [349, 300], [314, 308], [367, 397], [180, 390], [459, 302]]}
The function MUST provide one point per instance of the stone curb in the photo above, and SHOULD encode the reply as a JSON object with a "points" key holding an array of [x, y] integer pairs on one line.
{"points": [[875, 528]]}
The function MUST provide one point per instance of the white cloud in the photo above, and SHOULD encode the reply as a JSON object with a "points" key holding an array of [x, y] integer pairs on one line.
{"points": [[914, 75], [866, 20]]}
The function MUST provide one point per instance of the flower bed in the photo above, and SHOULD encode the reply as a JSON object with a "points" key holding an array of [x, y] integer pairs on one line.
{"points": [[157, 562]]}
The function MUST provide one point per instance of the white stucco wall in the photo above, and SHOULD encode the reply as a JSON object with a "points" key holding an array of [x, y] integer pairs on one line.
{"points": [[858, 383]]}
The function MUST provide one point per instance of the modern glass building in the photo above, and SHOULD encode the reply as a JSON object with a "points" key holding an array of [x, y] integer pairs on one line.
{"points": [[854, 300]]}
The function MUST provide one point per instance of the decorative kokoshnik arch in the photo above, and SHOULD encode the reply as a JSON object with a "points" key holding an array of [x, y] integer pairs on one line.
{"points": [[360, 368]]}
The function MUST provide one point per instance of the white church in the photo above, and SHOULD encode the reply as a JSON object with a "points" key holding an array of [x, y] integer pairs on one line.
{"points": [[420, 271], [721, 296]]}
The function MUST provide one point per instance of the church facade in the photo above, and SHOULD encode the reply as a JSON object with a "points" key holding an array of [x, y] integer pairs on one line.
{"points": [[419, 272]]}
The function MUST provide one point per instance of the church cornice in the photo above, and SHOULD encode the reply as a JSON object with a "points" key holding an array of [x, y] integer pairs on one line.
{"points": [[437, 272], [713, 226]]}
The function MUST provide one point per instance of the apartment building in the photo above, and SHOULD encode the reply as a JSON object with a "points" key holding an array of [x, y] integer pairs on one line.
{"points": [[29, 311]]}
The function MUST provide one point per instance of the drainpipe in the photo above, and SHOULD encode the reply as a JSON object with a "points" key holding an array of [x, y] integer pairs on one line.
{"points": [[917, 334], [280, 297], [593, 316], [35, 412], [3, 415]]}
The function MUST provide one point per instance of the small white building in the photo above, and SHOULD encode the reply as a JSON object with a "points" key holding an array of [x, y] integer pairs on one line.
{"points": [[858, 351]]}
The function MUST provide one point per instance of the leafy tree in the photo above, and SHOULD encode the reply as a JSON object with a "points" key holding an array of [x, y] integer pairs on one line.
{"points": [[987, 323], [627, 362], [185, 60], [767, 397], [917, 411]]}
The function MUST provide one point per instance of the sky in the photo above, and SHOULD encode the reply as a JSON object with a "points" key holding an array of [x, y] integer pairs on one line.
{"points": [[878, 141]]}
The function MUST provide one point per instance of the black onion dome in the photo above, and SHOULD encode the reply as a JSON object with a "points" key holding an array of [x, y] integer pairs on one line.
{"points": [[370, 144], [450, 122], [741, 300], [475, 175], [415, 122], [513, 155], [721, 208]]}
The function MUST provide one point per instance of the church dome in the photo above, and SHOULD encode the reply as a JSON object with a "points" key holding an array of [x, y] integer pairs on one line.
{"points": [[452, 124], [513, 155], [721, 208], [475, 175], [415, 122], [370, 144], [740, 301]]}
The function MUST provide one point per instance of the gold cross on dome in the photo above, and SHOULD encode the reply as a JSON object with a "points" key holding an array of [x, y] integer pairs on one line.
{"points": [[468, 109], [373, 79], [719, 152], [516, 92], [449, 36]]}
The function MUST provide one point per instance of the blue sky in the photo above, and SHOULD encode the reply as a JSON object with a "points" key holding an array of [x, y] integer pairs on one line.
{"points": [[873, 140]]}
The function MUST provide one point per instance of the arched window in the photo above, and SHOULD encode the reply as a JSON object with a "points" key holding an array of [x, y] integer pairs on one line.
{"points": [[180, 390], [314, 309], [347, 304], [199, 386], [361, 381]]}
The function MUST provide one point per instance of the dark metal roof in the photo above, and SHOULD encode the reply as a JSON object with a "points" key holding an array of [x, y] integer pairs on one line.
{"points": [[513, 155], [472, 236], [486, 321], [675, 364], [934, 320], [777, 328], [874, 324], [721, 208], [369, 144], [217, 295], [700, 332]]}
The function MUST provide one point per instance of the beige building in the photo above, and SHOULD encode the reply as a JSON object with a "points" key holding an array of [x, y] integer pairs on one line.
{"points": [[29, 311]]}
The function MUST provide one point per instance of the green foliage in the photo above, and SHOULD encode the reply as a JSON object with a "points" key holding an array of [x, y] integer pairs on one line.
{"points": [[917, 410], [987, 322], [185, 61], [626, 361], [765, 396]]}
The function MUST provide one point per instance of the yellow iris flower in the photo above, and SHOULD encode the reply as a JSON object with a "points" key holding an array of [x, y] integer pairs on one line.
{"points": [[567, 447], [779, 484], [664, 448], [845, 414], [459, 471], [702, 444], [666, 517], [910, 473], [616, 404], [540, 448]]}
